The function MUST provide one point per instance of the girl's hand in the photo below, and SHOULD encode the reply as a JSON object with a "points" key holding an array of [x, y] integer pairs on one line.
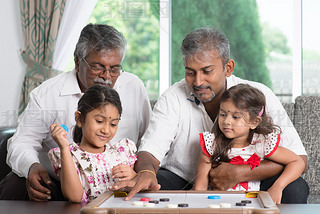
{"points": [[276, 194], [123, 172], [59, 135]]}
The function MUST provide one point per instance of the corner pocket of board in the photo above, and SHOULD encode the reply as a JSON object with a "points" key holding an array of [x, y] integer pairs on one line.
{"points": [[119, 194], [251, 194]]}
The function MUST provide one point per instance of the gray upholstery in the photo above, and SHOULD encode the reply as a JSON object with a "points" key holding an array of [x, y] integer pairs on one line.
{"points": [[5, 134], [307, 122]]}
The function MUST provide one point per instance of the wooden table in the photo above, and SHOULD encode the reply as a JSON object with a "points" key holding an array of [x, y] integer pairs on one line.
{"points": [[63, 207]]}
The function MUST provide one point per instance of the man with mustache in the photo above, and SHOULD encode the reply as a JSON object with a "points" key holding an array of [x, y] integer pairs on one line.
{"points": [[98, 56], [188, 108]]}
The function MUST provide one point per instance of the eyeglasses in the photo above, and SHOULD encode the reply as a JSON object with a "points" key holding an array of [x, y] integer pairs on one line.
{"points": [[114, 71]]}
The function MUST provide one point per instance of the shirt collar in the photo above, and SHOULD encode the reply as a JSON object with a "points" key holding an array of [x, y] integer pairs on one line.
{"points": [[71, 85], [192, 98]]}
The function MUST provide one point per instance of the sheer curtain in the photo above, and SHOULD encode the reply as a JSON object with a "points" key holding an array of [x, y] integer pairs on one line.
{"points": [[75, 17]]}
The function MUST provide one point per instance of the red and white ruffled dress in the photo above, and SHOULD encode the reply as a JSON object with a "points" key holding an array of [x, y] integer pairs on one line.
{"points": [[253, 154]]}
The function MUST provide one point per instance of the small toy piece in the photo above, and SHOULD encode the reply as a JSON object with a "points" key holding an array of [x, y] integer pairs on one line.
{"points": [[154, 201], [164, 199], [144, 199], [240, 204], [225, 205], [149, 204], [137, 203], [183, 205], [118, 194], [214, 206], [214, 197], [172, 205], [65, 127]]}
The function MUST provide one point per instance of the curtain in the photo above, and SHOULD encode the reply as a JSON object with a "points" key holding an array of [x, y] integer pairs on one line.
{"points": [[75, 17], [40, 21]]}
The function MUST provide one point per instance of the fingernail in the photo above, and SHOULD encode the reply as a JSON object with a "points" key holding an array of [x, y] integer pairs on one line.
{"points": [[49, 198]]}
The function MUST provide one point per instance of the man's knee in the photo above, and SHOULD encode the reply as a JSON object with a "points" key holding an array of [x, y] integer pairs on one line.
{"points": [[13, 187], [295, 193], [170, 181]]}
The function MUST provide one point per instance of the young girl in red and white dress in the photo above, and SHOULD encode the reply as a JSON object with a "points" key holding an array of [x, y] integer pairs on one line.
{"points": [[92, 163], [243, 133]]}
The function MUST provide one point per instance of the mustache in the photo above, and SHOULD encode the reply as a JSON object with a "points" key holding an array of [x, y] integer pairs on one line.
{"points": [[102, 81], [201, 87]]}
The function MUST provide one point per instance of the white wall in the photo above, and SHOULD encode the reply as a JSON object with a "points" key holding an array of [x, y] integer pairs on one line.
{"points": [[11, 63]]}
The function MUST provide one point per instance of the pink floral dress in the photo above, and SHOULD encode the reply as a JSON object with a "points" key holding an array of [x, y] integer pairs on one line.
{"points": [[259, 148], [94, 169]]}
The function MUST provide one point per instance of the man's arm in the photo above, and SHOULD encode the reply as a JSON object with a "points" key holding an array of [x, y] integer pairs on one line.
{"points": [[227, 175], [305, 159], [146, 167]]}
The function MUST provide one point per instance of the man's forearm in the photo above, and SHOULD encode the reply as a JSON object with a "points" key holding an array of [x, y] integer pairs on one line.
{"points": [[305, 159], [266, 169], [146, 161]]}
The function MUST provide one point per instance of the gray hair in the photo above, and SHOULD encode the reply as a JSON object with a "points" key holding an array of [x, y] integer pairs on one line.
{"points": [[204, 40], [97, 37]]}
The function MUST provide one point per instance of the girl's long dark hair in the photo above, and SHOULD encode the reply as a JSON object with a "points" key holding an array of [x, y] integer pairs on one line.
{"points": [[95, 97], [247, 99]]}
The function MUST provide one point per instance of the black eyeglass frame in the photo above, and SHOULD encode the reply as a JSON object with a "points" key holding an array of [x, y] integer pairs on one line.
{"points": [[102, 69]]}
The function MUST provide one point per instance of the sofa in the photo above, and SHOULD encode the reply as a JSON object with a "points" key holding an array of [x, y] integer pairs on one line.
{"points": [[305, 115]]}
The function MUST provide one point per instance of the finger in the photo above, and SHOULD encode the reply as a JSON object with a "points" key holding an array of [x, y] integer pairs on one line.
{"points": [[120, 175], [36, 195], [141, 186], [119, 168], [38, 187], [133, 191], [44, 176], [156, 187], [122, 184]]}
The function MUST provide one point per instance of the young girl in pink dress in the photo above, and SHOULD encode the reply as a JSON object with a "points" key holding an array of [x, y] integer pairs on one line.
{"points": [[92, 163], [243, 133]]}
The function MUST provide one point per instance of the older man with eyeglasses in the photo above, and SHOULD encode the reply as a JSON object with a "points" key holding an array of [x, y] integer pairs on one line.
{"points": [[98, 56]]}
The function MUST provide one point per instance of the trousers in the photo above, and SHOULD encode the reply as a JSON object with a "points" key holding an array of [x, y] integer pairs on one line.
{"points": [[13, 187]]}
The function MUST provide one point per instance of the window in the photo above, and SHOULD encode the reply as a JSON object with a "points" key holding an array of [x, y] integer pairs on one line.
{"points": [[311, 47], [138, 21], [272, 42]]}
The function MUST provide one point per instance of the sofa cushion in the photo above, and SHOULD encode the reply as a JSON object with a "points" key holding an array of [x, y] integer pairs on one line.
{"points": [[307, 123], [5, 134], [289, 107]]}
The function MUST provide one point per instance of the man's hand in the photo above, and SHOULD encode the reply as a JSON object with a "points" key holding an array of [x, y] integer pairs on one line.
{"points": [[226, 175], [36, 178], [143, 181], [223, 176]]}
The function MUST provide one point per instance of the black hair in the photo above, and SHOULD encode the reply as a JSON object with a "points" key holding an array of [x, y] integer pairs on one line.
{"points": [[248, 99], [95, 97]]}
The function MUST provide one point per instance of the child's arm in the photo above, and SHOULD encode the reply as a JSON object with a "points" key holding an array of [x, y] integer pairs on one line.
{"points": [[294, 166], [69, 178], [123, 172], [202, 177]]}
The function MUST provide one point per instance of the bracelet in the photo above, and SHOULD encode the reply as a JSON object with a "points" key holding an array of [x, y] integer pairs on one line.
{"points": [[145, 170]]}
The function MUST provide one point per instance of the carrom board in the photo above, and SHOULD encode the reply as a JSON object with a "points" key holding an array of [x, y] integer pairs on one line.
{"points": [[198, 202]]}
